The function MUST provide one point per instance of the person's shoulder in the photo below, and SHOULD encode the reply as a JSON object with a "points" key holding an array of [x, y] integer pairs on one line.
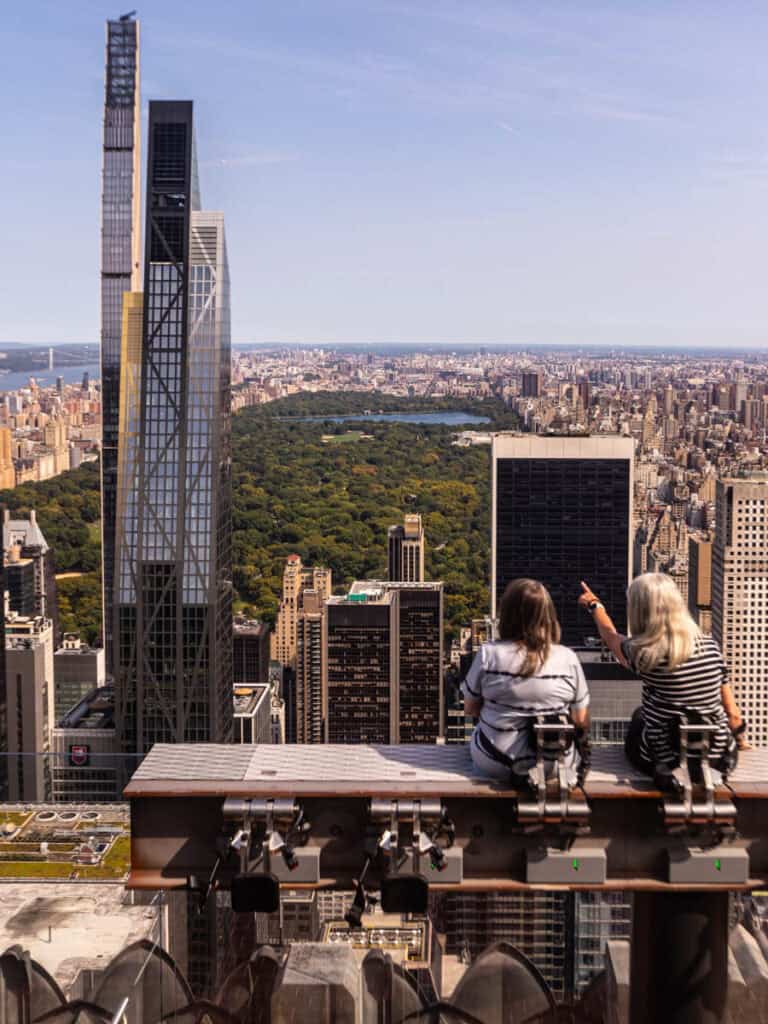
{"points": [[707, 646], [561, 653], [499, 652]]}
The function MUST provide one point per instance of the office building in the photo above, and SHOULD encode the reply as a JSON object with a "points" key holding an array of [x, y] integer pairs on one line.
{"points": [[29, 706], [360, 683], [598, 918], [296, 579], [383, 663], [173, 627], [77, 670], [250, 651], [740, 594], [406, 551], [30, 570], [531, 384], [700, 579], [420, 661], [120, 265], [252, 713], [561, 513], [308, 697], [539, 924], [85, 765]]}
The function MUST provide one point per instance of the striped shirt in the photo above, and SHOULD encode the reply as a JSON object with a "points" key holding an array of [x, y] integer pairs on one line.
{"points": [[510, 700], [667, 695]]}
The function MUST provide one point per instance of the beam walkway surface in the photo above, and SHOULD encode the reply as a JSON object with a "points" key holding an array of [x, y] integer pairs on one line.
{"points": [[177, 798]]}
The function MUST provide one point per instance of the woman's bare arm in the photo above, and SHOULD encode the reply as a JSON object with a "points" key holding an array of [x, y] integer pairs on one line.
{"points": [[735, 719], [608, 632]]}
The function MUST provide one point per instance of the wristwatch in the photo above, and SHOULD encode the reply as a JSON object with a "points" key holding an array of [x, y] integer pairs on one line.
{"points": [[594, 605]]}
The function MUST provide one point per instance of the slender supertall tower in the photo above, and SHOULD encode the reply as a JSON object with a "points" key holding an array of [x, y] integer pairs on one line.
{"points": [[120, 261], [173, 628]]}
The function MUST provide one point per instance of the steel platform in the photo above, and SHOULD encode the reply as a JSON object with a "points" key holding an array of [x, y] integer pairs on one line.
{"points": [[177, 795]]}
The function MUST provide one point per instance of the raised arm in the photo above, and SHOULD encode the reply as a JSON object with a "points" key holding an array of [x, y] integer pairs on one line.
{"points": [[608, 632]]}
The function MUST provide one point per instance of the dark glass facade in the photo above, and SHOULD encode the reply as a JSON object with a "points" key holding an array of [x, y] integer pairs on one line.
{"points": [[120, 246], [420, 663], [174, 623], [562, 520], [361, 670]]}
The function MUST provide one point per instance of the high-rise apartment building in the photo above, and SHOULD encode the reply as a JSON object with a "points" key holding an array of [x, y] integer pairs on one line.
{"points": [[383, 680], [173, 628], [30, 576], [561, 513], [296, 579], [406, 550], [740, 594], [120, 266]]}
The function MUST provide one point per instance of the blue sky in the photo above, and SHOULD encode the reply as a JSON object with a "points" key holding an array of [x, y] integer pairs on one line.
{"points": [[421, 170]]}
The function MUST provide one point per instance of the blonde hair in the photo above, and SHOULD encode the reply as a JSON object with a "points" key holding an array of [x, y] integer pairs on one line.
{"points": [[528, 617], [661, 626]]}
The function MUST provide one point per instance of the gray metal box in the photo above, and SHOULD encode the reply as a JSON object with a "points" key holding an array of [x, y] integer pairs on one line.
{"points": [[452, 873], [546, 866], [307, 870], [718, 865]]}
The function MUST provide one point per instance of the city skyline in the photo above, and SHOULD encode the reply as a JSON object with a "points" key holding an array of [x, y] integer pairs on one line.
{"points": [[554, 183]]}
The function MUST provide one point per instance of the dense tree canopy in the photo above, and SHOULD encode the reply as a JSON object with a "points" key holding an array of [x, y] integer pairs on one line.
{"points": [[331, 503]]}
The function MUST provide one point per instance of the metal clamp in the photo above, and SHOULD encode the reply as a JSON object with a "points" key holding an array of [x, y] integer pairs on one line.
{"points": [[428, 820], [695, 742], [552, 801], [280, 821]]}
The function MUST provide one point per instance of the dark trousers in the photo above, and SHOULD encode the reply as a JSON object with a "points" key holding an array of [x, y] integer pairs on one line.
{"points": [[726, 763], [632, 744]]}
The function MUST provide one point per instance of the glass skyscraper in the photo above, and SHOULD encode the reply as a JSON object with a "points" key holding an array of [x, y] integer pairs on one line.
{"points": [[120, 263], [174, 592]]}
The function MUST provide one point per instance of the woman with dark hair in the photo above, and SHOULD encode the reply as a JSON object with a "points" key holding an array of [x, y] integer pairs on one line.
{"points": [[526, 672]]}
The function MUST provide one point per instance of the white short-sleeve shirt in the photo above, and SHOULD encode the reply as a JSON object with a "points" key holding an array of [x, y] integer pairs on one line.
{"points": [[510, 700]]}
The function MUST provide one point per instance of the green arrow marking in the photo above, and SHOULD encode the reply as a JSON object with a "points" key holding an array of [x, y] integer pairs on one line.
{"points": [[717, 865], [575, 864]]}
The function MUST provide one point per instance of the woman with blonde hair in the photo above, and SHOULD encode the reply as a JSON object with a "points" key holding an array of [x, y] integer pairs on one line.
{"points": [[683, 675], [525, 673]]}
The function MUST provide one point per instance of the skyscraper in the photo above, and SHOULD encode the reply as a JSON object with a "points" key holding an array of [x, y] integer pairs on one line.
{"points": [[174, 591], [310, 706], [406, 550], [383, 680], [120, 263], [740, 594], [531, 384], [561, 513], [361, 667], [296, 579]]}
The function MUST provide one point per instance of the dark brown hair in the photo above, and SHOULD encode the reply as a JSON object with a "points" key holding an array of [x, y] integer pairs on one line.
{"points": [[527, 615]]}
